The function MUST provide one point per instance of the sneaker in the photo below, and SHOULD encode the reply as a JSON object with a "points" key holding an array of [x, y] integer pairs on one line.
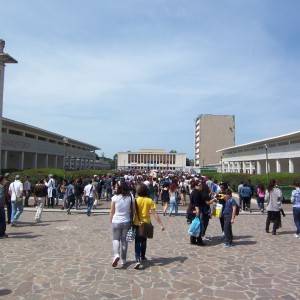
{"points": [[115, 261], [296, 235], [137, 265], [227, 245]]}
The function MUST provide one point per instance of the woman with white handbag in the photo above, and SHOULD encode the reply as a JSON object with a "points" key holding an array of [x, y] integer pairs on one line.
{"points": [[120, 216]]}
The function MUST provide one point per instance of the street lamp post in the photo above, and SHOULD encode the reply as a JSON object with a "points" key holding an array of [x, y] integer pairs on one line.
{"points": [[267, 162], [4, 59], [65, 140]]}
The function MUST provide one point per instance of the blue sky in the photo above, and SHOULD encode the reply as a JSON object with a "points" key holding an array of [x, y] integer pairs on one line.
{"points": [[125, 75]]}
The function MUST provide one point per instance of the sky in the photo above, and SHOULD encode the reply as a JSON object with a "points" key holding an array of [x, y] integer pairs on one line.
{"points": [[131, 74]]}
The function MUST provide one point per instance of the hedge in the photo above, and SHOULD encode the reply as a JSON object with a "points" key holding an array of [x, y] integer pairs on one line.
{"points": [[234, 179], [37, 174]]}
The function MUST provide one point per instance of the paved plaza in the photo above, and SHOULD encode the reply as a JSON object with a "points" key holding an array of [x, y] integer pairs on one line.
{"points": [[69, 257]]}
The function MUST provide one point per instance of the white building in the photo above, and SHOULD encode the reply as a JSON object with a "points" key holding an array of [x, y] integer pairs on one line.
{"points": [[154, 159], [277, 154], [26, 147]]}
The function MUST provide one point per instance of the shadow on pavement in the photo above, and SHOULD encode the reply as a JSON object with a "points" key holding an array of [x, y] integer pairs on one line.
{"points": [[5, 292], [23, 235], [238, 240], [25, 224], [286, 232], [163, 261], [237, 243]]}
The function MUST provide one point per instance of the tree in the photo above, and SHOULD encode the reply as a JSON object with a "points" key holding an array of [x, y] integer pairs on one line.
{"points": [[173, 151]]}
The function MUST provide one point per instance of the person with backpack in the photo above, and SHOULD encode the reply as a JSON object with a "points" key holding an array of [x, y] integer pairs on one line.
{"points": [[70, 196], [229, 214], [246, 195], [165, 197]]}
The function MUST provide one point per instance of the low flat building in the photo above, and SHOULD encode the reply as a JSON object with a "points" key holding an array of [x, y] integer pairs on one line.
{"points": [[274, 155], [151, 159], [27, 147]]}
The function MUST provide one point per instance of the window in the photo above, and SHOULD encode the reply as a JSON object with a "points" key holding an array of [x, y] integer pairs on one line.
{"points": [[4, 129], [15, 132], [40, 138], [29, 135]]}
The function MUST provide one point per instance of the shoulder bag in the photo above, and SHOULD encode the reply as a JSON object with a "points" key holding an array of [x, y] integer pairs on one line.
{"points": [[131, 233]]}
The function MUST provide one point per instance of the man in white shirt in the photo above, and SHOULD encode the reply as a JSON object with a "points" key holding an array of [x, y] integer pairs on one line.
{"points": [[88, 193], [16, 192], [51, 190]]}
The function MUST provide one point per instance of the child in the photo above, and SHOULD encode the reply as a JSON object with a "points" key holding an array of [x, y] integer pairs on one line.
{"points": [[229, 214]]}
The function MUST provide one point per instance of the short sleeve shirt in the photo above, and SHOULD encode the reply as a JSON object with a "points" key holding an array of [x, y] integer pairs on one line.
{"points": [[144, 205]]}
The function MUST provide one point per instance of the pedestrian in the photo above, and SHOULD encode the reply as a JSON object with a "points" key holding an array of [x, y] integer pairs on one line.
{"points": [[246, 194], [70, 191], [40, 193], [78, 187], [295, 199], [173, 199], [51, 190], [16, 193], [89, 197], [229, 214], [7, 197], [261, 193], [221, 200], [2, 209], [144, 206], [27, 190], [122, 207], [195, 211], [165, 197], [273, 199]]}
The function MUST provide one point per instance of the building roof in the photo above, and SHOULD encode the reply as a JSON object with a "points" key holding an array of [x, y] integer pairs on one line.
{"points": [[37, 130], [284, 137]]}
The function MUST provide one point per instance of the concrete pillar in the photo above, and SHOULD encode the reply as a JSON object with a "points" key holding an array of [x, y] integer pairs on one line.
{"points": [[291, 166], [278, 166], [258, 167], [244, 167], [22, 161], [251, 167], [56, 161]]}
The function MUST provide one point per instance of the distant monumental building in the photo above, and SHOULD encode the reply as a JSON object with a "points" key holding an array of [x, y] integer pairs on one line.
{"points": [[151, 159], [213, 132]]}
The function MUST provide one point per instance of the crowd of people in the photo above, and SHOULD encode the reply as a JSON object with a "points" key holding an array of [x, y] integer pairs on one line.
{"points": [[134, 198]]}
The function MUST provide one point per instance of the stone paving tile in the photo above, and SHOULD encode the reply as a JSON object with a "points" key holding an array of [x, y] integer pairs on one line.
{"points": [[69, 257]]}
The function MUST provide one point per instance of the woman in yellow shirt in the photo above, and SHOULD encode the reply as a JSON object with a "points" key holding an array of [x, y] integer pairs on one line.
{"points": [[145, 206]]}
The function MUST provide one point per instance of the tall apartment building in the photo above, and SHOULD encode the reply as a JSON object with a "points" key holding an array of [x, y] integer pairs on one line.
{"points": [[212, 133]]}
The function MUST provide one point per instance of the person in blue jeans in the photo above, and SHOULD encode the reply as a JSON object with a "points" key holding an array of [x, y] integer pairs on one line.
{"points": [[295, 199], [229, 213], [89, 191], [173, 199]]}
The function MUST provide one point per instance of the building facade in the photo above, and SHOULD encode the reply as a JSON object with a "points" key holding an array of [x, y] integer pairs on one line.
{"points": [[26, 147], [212, 132], [151, 159], [273, 155]]}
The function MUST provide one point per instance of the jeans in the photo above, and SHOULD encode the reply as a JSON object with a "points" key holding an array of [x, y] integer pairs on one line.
{"points": [[71, 202], [90, 202], [2, 221], [40, 205], [260, 203], [50, 202], [296, 213], [16, 211], [173, 206], [140, 246], [119, 231], [78, 201], [246, 202], [27, 195], [228, 230]]}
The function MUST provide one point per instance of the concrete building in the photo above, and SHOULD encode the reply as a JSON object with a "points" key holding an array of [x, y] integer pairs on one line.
{"points": [[276, 154], [212, 132], [151, 159], [25, 147]]}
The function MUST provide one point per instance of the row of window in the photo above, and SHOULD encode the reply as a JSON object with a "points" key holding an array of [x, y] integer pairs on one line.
{"points": [[40, 138], [156, 159]]}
